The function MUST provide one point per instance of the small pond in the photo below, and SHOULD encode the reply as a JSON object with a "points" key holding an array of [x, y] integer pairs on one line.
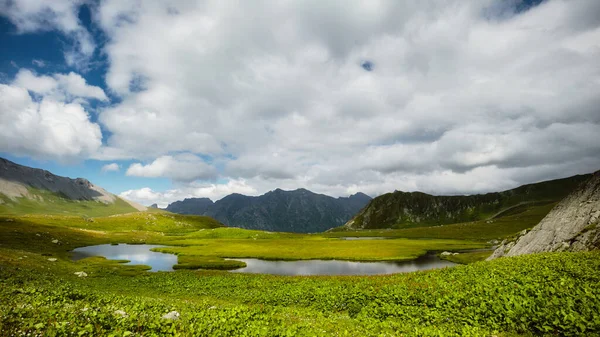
{"points": [[337, 267], [136, 254], [141, 254]]}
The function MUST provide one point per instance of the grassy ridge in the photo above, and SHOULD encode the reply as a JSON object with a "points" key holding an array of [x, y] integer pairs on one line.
{"points": [[415, 209], [46, 202], [497, 228]]}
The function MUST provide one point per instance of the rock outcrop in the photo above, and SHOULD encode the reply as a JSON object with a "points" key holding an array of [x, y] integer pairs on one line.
{"points": [[572, 225]]}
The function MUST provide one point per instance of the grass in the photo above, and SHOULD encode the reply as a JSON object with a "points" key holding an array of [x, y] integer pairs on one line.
{"points": [[206, 262], [312, 248], [506, 297], [467, 257], [46, 202], [544, 294]]}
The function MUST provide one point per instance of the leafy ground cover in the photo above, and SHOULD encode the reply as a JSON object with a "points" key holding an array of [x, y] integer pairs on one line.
{"points": [[552, 294], [545, 294]]}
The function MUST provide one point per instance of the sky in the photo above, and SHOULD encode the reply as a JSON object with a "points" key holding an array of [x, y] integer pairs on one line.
{"points": [[157, 101]]}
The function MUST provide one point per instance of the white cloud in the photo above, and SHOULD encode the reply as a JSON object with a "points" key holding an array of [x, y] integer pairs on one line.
{"points": [[463, 97], [183, 167], [112, 167], [33, 16], [47, 129], [39, 63], [459, 90], [60, 86], [147, 196]]}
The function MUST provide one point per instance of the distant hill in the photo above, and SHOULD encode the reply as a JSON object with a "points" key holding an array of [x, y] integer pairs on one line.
{"points": [[26, 190], [299, 211], [416, 209]]}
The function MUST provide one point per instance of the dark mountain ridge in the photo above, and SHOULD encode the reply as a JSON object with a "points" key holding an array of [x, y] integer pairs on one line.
{"points": [[299, 211], [415, 209]]}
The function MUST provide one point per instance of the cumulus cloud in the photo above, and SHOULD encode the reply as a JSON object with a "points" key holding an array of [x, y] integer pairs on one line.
{"points": [[454, 91], [147, 196], [339, 96], [60, 86], [112, 167], [184, 167], [30, 16], [46, 129]]}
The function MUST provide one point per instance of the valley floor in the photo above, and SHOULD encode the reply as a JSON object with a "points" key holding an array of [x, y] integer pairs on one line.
{"points": [[553, 294]]}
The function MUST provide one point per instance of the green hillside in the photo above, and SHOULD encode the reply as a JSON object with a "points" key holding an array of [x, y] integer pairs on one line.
{"points": [[416, 209], [41, 201]]}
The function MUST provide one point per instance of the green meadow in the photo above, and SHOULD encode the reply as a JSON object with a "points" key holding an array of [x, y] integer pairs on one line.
{"points": [[543, 294]]}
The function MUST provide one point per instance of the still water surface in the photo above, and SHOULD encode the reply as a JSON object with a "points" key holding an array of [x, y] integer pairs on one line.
{"points": [[141, 254], [336, 267], [136, 254]]}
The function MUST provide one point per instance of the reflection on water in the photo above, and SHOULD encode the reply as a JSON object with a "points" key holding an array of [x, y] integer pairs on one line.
{"points": [[336, 267], [136, 254]]}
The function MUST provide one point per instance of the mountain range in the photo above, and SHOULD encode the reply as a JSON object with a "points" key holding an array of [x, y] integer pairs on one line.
{"points": [[299, 211], [30, 190], [416, 209]]}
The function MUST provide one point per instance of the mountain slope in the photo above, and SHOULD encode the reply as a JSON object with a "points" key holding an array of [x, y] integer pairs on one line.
{"points": [[29, 190], [190, 206], [573, 225], [416, 209], [299, 211]]}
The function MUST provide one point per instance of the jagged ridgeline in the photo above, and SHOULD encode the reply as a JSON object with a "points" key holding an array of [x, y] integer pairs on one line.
{"points": [[416, 209], [26, 190], [300, 211]]}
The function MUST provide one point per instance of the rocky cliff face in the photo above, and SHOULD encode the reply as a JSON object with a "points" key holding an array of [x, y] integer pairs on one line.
{"points": [[573, 225], [413, 209], [299, 211]]}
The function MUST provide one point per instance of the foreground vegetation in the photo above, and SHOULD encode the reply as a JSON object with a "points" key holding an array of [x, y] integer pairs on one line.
{"points": [[545, 294], [554, 294]]}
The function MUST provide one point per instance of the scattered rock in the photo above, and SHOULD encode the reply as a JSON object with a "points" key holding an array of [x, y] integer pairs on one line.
{"points": [[445, 254], [81, 273], [171, 315], [38, 234], [55, 241], [52, 259], [121, 313]]}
